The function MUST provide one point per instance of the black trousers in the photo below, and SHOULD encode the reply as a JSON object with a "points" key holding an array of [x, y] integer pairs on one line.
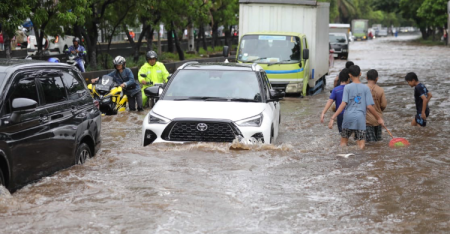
{"points": [[133, 99]]}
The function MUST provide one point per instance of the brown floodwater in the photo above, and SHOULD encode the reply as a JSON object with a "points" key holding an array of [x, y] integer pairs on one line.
{"points": [[299, 185]]}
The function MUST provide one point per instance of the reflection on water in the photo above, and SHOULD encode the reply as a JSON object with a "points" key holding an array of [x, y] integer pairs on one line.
{"points": [[298, 185]]}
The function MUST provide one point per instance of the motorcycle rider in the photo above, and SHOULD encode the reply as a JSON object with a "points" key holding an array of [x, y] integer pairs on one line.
{"points": [[156, 73], [78, 50], [124, 76]]}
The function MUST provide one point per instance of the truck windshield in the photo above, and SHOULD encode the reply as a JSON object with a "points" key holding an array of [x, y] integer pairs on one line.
{"points": [[214, 85], [269, 49], [337, 39]]}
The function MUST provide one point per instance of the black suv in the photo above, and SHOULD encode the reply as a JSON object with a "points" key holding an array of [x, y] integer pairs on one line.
{"points": [[48, 120]]}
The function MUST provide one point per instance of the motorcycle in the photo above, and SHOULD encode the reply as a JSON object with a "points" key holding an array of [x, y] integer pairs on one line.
{"points": [[151, 100], [72, 60], [109, 95]]}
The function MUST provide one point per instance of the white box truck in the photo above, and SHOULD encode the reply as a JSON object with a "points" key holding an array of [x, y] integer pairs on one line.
{"points": [[289, 39]]}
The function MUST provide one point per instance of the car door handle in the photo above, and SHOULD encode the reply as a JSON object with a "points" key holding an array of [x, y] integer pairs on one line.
{"points": [[57, 116], [43, 118]]}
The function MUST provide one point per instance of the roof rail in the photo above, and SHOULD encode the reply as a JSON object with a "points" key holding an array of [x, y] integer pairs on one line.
{"points": [[254, 66], [185, 64]]}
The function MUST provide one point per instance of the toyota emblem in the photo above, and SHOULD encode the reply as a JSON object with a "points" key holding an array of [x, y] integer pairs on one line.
{"points": [[202, 127]]}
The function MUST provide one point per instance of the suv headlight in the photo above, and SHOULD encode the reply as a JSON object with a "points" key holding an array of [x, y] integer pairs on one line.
{"points": [[157, 119], [254, 121]]}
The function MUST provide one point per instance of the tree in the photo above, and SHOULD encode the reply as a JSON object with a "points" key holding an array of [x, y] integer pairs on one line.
{"points": [[96, 10], [386, 5], [12, 15], [409, 9], [434, 12], [49, 17]]}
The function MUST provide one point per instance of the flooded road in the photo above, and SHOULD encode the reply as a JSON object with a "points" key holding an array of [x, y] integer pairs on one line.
{"points": [[299, 185]]}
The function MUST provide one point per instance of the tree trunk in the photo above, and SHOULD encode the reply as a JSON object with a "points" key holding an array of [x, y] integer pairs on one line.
{"points": [[91, 38], [39, 34], [202, 32], [149, 37], [159, 43], [7, 43], [170, 41], [214, 34], [424, 32], [177, 45]]}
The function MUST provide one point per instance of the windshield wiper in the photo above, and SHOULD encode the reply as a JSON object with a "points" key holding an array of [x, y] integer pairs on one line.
{"points": [[254, 60], [280, 62], [243, 100], [202, 98]]}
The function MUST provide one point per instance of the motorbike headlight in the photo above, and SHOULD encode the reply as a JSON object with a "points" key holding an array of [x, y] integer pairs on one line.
{"points": [[106, 100], [254, 121], [157, 119]]}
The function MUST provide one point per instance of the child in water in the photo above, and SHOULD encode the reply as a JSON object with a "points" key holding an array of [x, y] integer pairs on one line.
{"points": [[422, 98], [336, 96], [356, 100]]}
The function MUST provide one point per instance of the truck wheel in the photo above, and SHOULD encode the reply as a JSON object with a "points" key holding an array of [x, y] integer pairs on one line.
{"points": [[2, 178], [82, 154]]}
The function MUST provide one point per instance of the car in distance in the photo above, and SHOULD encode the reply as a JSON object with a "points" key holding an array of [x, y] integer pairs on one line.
{"points": [[214, 102], [340, 44], [48, 120]]}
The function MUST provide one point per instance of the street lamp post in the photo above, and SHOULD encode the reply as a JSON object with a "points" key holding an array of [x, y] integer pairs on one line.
{"points": [[448, 23]]}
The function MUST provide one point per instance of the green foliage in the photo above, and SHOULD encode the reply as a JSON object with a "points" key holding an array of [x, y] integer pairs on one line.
{"points": [[434, 12], [13, 13]]}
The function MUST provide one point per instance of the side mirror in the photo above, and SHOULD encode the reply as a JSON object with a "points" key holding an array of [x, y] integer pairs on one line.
{"points": [[168, 78], [143, 75], [22, 106], [152, 92], [90, 86], [276, 95], [225, 51], [305, 54]]}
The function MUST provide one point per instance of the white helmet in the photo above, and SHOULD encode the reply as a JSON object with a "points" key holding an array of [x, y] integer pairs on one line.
{"points": [[119, 60]]}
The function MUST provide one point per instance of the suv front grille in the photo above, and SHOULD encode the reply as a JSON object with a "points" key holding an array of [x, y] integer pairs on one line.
{"points": [[206, 131]]}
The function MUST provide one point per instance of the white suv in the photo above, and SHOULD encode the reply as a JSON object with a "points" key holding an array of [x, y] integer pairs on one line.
{"points": [[51, 45], [214, 102]]}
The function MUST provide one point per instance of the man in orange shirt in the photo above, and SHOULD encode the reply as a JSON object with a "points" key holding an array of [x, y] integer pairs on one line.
{"points": [[373, 128], [132, 35]]}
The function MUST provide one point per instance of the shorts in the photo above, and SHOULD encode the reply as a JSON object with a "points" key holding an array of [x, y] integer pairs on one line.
{"points": [[340, 119], [359, 134], [419, 119], [373, 133]]}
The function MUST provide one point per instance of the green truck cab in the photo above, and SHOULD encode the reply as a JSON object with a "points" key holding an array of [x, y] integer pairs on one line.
{"points": [[283, 55]]}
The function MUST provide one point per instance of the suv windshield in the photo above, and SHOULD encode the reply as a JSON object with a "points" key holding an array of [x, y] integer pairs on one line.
{"points": [[269, 49], [214, 85], [337, 39]]}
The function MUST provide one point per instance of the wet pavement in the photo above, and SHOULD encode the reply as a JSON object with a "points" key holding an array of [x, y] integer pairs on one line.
{"points": [[299, 185]]}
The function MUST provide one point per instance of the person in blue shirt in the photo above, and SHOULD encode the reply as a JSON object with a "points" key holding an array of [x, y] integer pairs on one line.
{"points": [[123, 76], [78, 50], [356, 100], [336, 96], [422, 97]]}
